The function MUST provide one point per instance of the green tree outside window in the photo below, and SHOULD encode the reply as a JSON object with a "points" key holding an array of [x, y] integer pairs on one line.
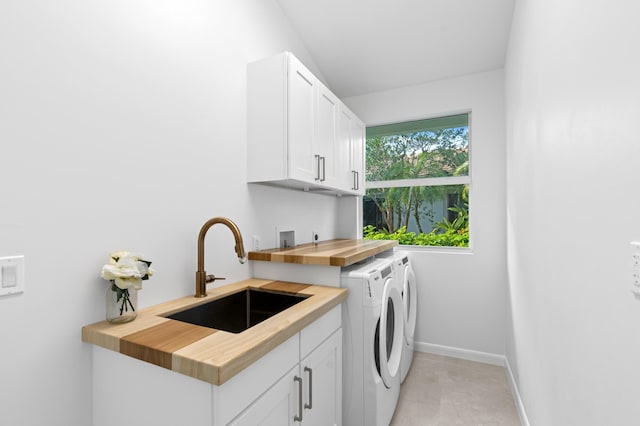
{"points": [[418, 182]]}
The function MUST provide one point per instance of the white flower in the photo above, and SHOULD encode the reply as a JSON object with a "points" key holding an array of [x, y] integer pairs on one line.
{"points": [[127, 270]]}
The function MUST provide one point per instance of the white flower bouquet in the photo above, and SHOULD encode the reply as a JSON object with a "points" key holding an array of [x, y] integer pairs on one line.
{"points": [[126, 271]]}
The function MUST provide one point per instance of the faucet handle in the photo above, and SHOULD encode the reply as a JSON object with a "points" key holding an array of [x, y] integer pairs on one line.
{"points": [[211, 278]]}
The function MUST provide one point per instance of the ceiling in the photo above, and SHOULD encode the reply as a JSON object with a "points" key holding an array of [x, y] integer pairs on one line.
{"points": [[365, 46]]}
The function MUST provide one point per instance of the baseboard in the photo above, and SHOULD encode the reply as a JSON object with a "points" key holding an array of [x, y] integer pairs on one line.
{"points": [[516, 394], [484, 357]]}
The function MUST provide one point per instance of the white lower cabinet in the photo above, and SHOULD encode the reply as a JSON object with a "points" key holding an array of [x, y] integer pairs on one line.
{"points": [[310, 394], [275, 408], [302, 377], [321, 374]]}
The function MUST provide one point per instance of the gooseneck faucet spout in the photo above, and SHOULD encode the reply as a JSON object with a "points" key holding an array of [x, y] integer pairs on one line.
{"points": [[201, 276]]}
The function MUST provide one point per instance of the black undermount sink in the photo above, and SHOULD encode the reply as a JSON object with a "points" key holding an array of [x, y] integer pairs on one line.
{"points": [[238, 311]]}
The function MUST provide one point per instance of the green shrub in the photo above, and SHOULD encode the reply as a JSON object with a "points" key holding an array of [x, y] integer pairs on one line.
{"points": [[449, 238]]}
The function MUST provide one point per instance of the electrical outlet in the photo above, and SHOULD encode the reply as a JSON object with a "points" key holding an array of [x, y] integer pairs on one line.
{"points": [[256, 243], [315, 237]]}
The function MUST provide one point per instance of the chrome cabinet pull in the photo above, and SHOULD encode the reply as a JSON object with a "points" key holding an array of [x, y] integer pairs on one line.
{"points": [[321, 176], [355, 180], [298, 418], [310, 404], [318, 167]]}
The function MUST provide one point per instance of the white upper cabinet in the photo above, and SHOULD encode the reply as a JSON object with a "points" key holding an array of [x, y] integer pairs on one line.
{"points": [[351, 135], [294, 133], [326, 146], [301, 122], [357, 155]]}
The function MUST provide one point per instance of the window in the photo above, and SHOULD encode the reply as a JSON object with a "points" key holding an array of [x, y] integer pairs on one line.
{"points": [[418, 182]]}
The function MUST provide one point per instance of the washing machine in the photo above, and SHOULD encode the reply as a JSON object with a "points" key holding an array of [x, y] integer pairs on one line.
{"points": [[372, 343], [406, 281]]}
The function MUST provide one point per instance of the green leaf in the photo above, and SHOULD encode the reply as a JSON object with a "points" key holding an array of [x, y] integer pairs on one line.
{"points": [[118, 290]]}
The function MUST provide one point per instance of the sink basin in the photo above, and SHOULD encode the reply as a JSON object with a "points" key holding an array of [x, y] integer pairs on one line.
{"points": [[238, 311]]}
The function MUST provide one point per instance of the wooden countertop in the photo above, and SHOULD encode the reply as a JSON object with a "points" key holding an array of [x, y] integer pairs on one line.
{"points": [[205, 353], [339, 252]]}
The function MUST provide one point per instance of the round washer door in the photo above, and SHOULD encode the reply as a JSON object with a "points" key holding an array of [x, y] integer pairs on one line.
{"points": [[389, 344], [410, 303]]}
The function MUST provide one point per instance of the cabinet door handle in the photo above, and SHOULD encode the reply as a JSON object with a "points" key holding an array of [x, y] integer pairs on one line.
{"points": [[310, 404], [317, 167], [355, 180], [324, 171], [298, 418]]}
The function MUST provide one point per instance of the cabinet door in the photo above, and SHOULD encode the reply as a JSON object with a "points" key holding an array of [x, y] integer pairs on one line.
{"points": [[326, 147], [351, 146], [345, 134], [357, 150], [321, 373], [276, 407], [302, 95]]}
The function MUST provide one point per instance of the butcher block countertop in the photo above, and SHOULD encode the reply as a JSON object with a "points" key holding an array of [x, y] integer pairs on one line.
{"points": [[208, 354], [339, 252]]}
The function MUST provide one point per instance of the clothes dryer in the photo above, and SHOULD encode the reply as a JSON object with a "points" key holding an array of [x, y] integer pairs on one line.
{"points": [[372, 344], [406, 281]]}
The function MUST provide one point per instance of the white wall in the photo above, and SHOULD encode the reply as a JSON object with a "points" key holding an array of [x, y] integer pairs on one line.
{"points": [[572, 147], [122, 126], [462, 296]]}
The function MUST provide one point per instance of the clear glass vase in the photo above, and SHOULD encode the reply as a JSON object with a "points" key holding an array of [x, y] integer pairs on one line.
{"points": [[121, 305]]}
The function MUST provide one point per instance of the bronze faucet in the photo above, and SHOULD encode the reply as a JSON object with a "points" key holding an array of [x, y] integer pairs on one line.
{"points": [[201, 276]]}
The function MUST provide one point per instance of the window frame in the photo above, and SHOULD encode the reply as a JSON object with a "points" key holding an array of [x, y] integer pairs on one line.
{"points": [[434, 181]]}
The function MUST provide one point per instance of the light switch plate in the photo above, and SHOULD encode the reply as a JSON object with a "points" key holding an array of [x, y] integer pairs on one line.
{"points": [[11, 275]]}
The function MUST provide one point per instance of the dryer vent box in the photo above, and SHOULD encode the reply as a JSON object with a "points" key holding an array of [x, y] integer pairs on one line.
{"points": [[286, 237]]}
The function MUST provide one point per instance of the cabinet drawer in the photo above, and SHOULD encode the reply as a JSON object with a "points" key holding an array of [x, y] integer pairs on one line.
{"points": [[314, 334]]}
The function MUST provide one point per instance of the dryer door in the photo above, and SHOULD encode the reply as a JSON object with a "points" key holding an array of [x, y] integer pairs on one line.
{"points": [[389, 331], [410, 301]]}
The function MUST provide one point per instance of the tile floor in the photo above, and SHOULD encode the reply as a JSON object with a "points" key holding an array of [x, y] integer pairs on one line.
{"points": [[441, 391]]}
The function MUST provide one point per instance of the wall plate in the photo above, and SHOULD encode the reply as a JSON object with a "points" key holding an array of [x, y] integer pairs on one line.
{"points": [[11, 275]]}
